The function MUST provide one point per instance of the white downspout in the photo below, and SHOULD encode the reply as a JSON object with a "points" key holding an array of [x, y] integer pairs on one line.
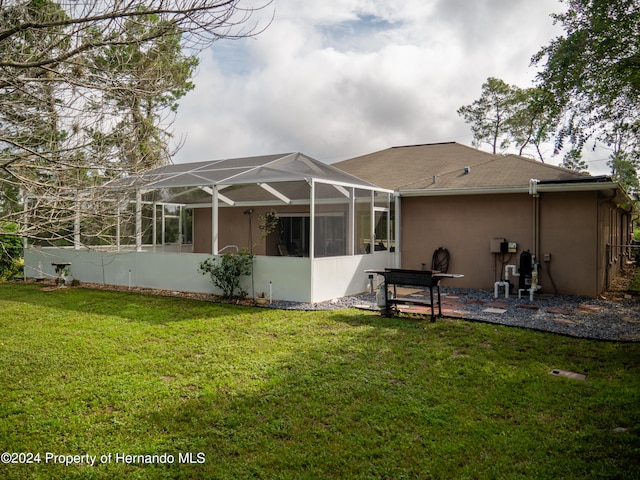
{"points": [[533, 191]]}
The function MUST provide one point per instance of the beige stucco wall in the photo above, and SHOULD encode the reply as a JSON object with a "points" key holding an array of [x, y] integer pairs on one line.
{"points": [[569, 233], [465, 225], [574, 229]]}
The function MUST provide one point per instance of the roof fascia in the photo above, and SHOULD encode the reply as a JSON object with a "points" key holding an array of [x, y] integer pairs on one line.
{"points": [[442, 192], [541, 187]]}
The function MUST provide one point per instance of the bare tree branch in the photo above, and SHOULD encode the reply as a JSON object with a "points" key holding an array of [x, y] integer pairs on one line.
{"points": [[88, 90]]}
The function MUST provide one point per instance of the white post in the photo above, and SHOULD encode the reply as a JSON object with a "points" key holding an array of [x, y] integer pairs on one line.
{"points": [[25, 240], [118, 228], [25, 222], [76, 225], [154, 227], [312, 225], [398, 219], [351, 224], [180, 241], [214, 220], [138, 221], [388, 221], [163, 228], [312, 240], [372, 213]]}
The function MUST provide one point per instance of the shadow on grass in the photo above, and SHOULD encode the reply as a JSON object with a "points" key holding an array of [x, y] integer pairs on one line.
{"points": [[138, 307], [342, 394], [387, 398], [330, 409], [159, 309]]}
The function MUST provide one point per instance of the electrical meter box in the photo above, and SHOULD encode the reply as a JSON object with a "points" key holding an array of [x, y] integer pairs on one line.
{"points": [[496, 245], [500, 245]]}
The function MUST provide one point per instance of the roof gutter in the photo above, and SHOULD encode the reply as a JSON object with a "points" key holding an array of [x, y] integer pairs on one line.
{"points": [[540, 188]]}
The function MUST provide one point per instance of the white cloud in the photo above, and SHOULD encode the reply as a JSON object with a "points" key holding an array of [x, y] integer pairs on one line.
{"points": [[339, 78]]}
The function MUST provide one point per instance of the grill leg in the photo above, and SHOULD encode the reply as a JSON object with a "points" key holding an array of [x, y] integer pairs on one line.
{"points": [[433, 316]]}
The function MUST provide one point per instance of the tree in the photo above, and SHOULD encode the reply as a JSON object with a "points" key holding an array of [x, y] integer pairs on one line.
{"points": [[488, 115], [593, 71], [533, 120], [507, 115], [624, 159], [87, 90], [151, 79], [573, 161]]}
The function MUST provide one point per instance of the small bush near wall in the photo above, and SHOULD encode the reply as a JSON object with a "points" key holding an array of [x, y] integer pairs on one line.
{"points": [[226, 271], [634, 284]]}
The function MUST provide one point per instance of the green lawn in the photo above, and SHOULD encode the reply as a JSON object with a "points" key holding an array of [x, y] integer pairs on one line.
{"points": [[259, 393]]}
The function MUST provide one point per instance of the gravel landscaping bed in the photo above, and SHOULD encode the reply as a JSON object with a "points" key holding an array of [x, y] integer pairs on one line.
{"points": [[581, 317]]}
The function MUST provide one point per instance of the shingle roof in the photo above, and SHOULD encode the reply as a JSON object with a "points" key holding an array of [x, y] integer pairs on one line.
{"points": [[449, 165]]}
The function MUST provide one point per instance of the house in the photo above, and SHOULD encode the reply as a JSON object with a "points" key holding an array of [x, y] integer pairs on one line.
{"points": [[393, 208], [331, 227], [486, 209]]}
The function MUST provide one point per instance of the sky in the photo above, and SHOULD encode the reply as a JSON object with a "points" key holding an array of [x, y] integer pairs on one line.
{"points": [[335, 79]]}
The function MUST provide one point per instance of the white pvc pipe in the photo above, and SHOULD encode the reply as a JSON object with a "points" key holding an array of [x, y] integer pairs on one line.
{"points": [[514, 272], [497, 286]]}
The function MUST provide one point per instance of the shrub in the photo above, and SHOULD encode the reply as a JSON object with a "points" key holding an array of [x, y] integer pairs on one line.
{"points": [[10, 251], [226, 271]]}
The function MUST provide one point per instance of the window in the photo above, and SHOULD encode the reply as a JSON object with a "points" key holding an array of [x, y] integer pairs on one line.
{"points": [[169, 222], [381, 230]]}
